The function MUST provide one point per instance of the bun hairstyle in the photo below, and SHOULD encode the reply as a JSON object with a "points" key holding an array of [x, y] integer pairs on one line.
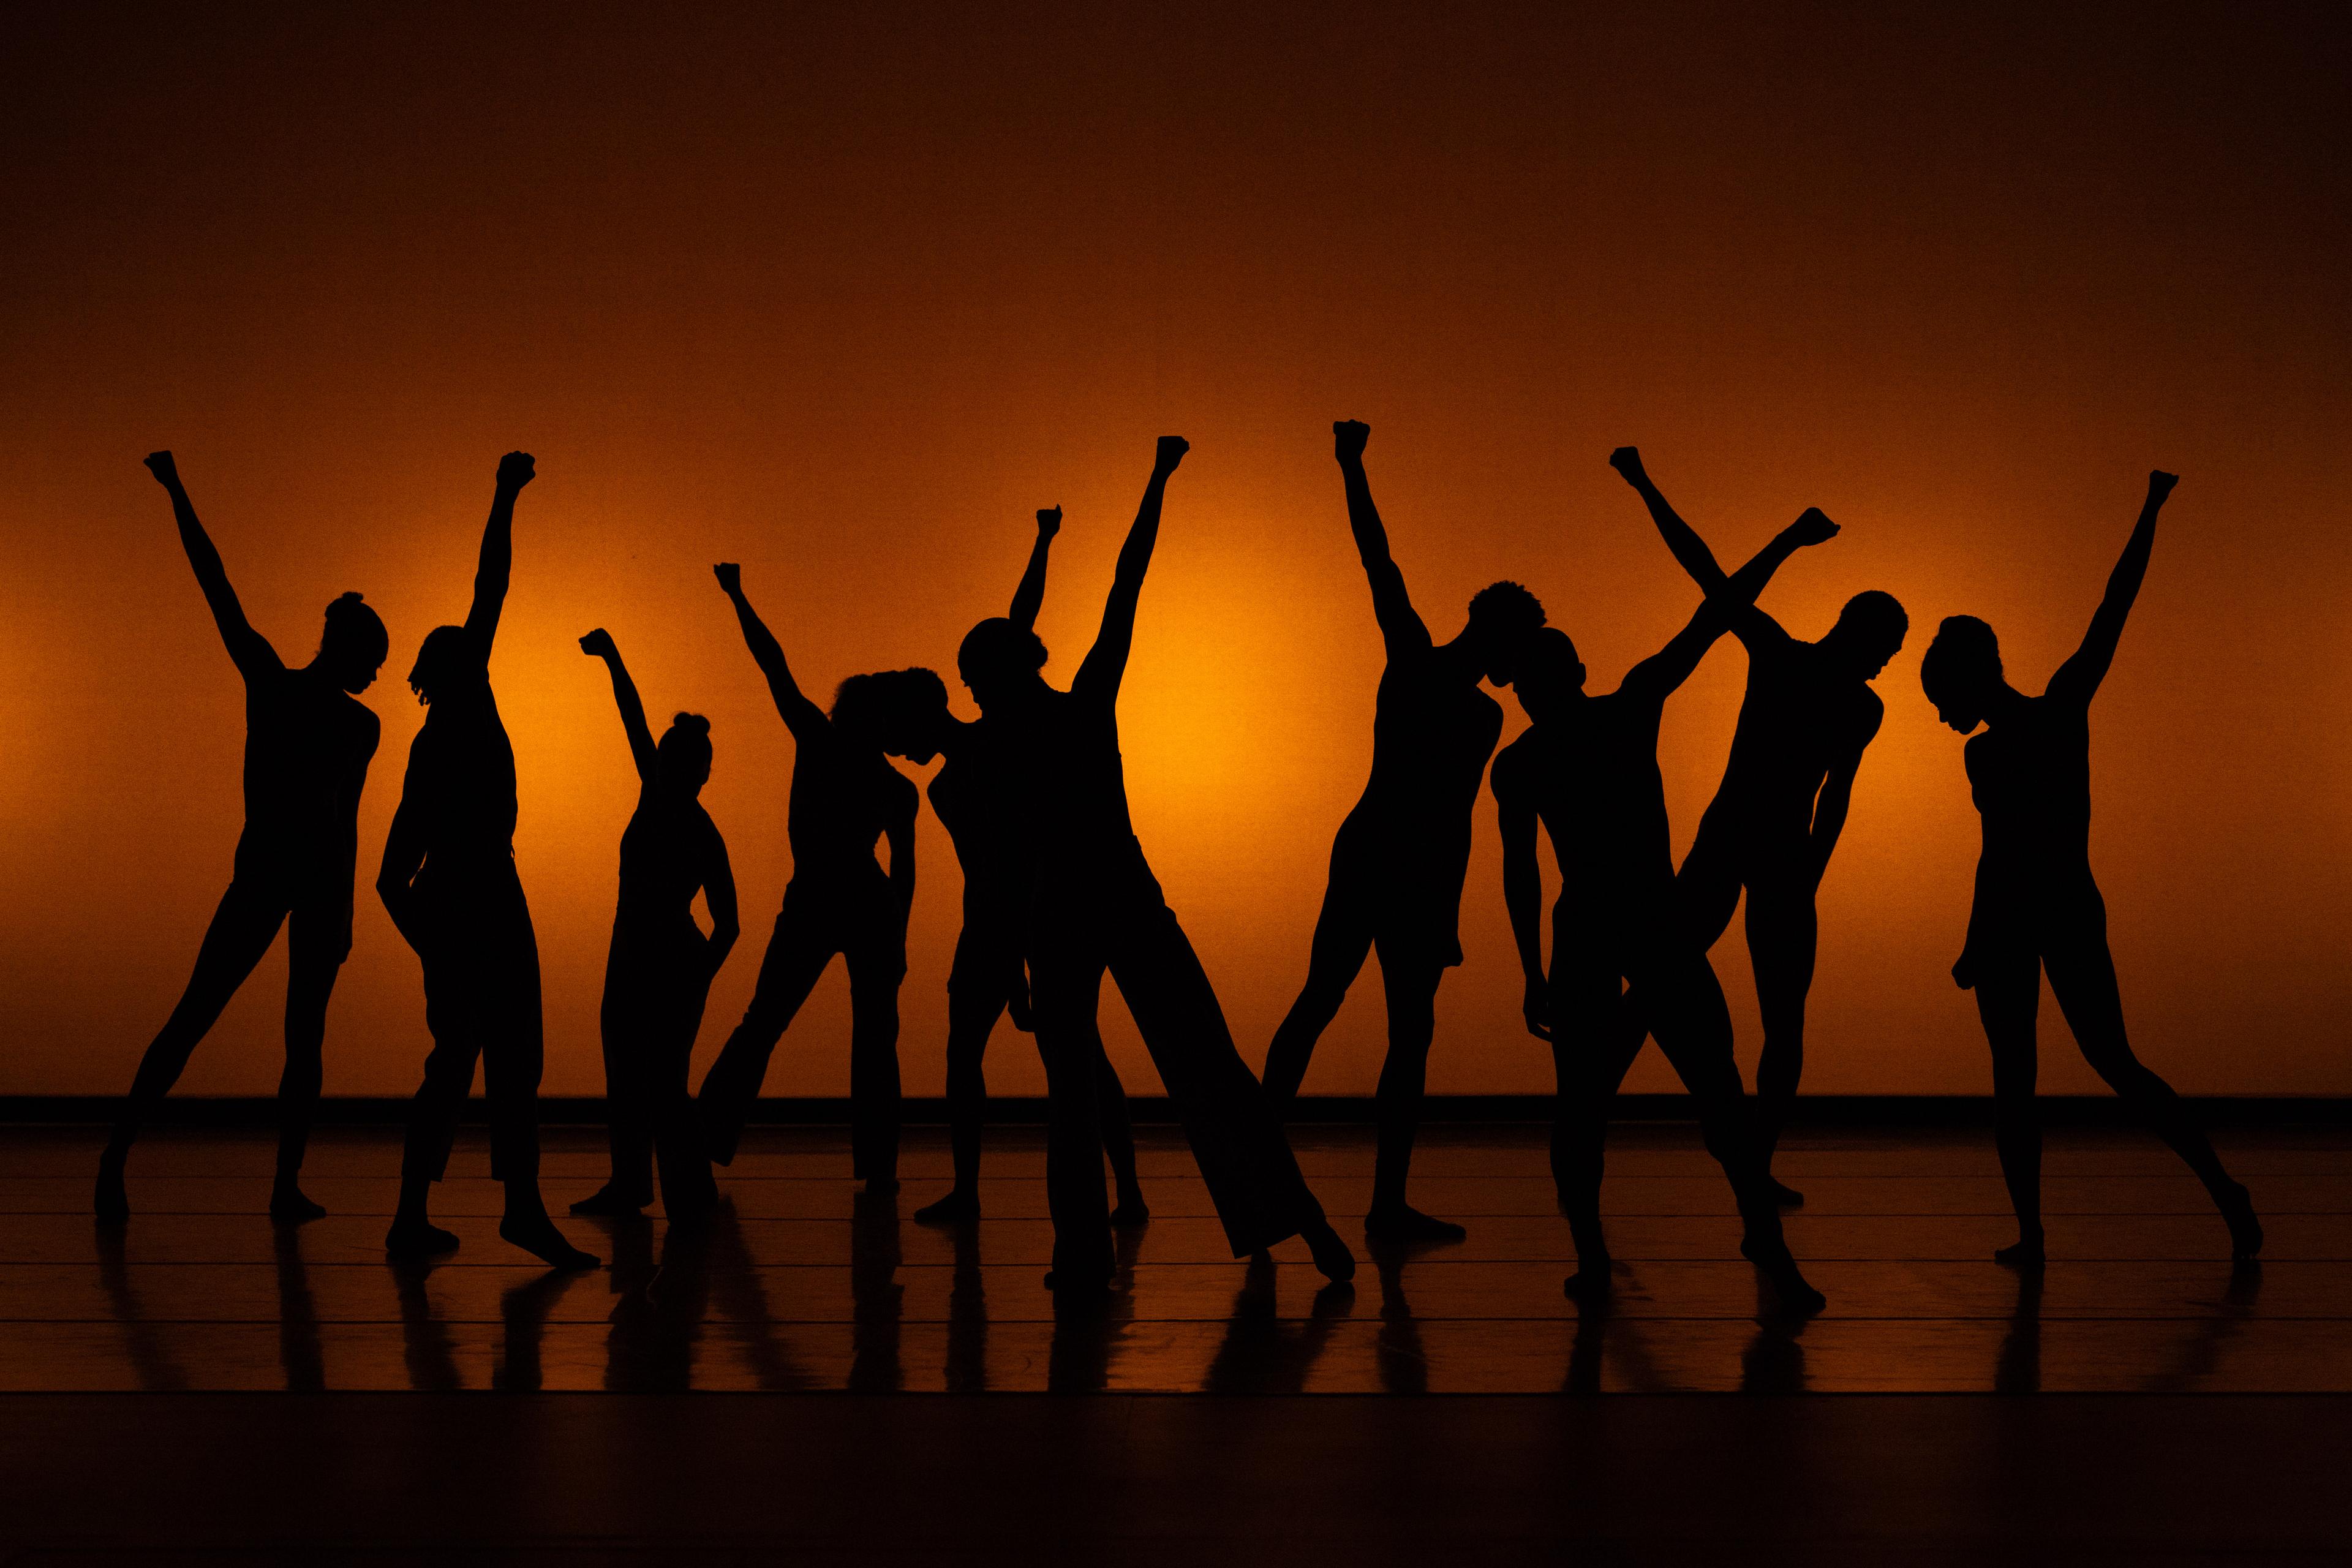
{"points": [[1965, 652], [355, 628], [686, 742]]}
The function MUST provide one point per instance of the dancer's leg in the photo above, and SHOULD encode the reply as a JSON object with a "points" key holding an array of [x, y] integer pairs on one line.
{"points": [[1118, 1139], [457, 1013], [2008, 997], [976, 999], [2082, 977], [1411, 985], [627, 1022], [242, 928], [1592, 1045], [877, 964], [1343, 940], [687, 1192], [803, 944], [1692, 1026], [318, 939], [1237, 1142], [1066, 988], [514, 1058], [1783, 932]]}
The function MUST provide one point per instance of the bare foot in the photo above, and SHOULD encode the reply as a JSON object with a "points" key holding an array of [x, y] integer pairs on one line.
{"points": [[417, 1238], [1331, 1255], [959, 1207], [2245, 1230], [1131, 1211], [1780, 1271], [112, 1202], [290, 1205], [537, 1234], [607, 1200], [1785, 1195], [1402, 1222], [2025, 1252], [1590, 1284]]}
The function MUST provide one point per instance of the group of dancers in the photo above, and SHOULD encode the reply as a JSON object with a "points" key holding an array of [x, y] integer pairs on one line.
{"points": [[1057, 891]]}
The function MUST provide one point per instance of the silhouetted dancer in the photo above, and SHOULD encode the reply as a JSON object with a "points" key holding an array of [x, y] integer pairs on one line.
{"points": [[1587, 770], [1097, 907], [2037, 906], [1399, 859], [307, 749], [448, 882], [973, 796], [846, 797], [658, 971], [1808, 716]]}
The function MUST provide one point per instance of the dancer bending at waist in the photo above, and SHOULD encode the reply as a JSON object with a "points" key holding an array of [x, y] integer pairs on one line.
{"points": [[1586, 769], [307, 749], [1399, 859], [448, 882], [1807, 717], [973, 796], [2037, 906], [658, 971], [846, 797], [1098, 908]]}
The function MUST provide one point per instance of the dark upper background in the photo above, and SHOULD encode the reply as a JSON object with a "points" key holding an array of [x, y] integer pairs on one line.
{"points": [[845, 292]]}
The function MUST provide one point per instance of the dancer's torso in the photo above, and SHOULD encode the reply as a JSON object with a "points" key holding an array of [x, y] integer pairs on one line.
{"points": [[1432, 733], [666, 853], [2031, 777], [842, 803], [461, 782], [1593, 776], [975, 796], [307, 749], [1800, 716]]}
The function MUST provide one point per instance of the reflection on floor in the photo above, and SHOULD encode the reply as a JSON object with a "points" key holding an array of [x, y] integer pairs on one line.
{"points": [[809, 1285]]}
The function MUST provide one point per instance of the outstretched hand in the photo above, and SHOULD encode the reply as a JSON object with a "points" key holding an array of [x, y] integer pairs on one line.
{"points": [[167, 471], [1813, 528], [515, 470], [1049, 522], [1170, 453], [1348, 438], [1627, 460], [729, 575], [2159, 484], [598, 644]]}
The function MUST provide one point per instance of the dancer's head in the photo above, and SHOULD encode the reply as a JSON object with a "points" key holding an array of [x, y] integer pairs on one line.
{"points": [[446, 662], [1503, 616], [1869, 631], [893, 710], [1961, 671], [353, 646], [998, 659], [1549, 673], [682, 757]]}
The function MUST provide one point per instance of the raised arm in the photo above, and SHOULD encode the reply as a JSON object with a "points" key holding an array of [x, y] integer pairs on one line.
{"points": [[1515, 814], [1401, 624], [1660, 674], [1689, 551], [2079, 677], [599, 644], [1106, 662], [496, 565], [1030, 597], [248, 648], [800, 716]]}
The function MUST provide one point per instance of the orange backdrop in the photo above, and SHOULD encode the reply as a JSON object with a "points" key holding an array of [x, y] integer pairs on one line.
{"points": [[845, 293]]}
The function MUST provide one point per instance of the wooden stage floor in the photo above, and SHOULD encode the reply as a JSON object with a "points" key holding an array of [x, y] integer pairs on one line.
{"points": [[809, 1285], [206, 1386]]}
